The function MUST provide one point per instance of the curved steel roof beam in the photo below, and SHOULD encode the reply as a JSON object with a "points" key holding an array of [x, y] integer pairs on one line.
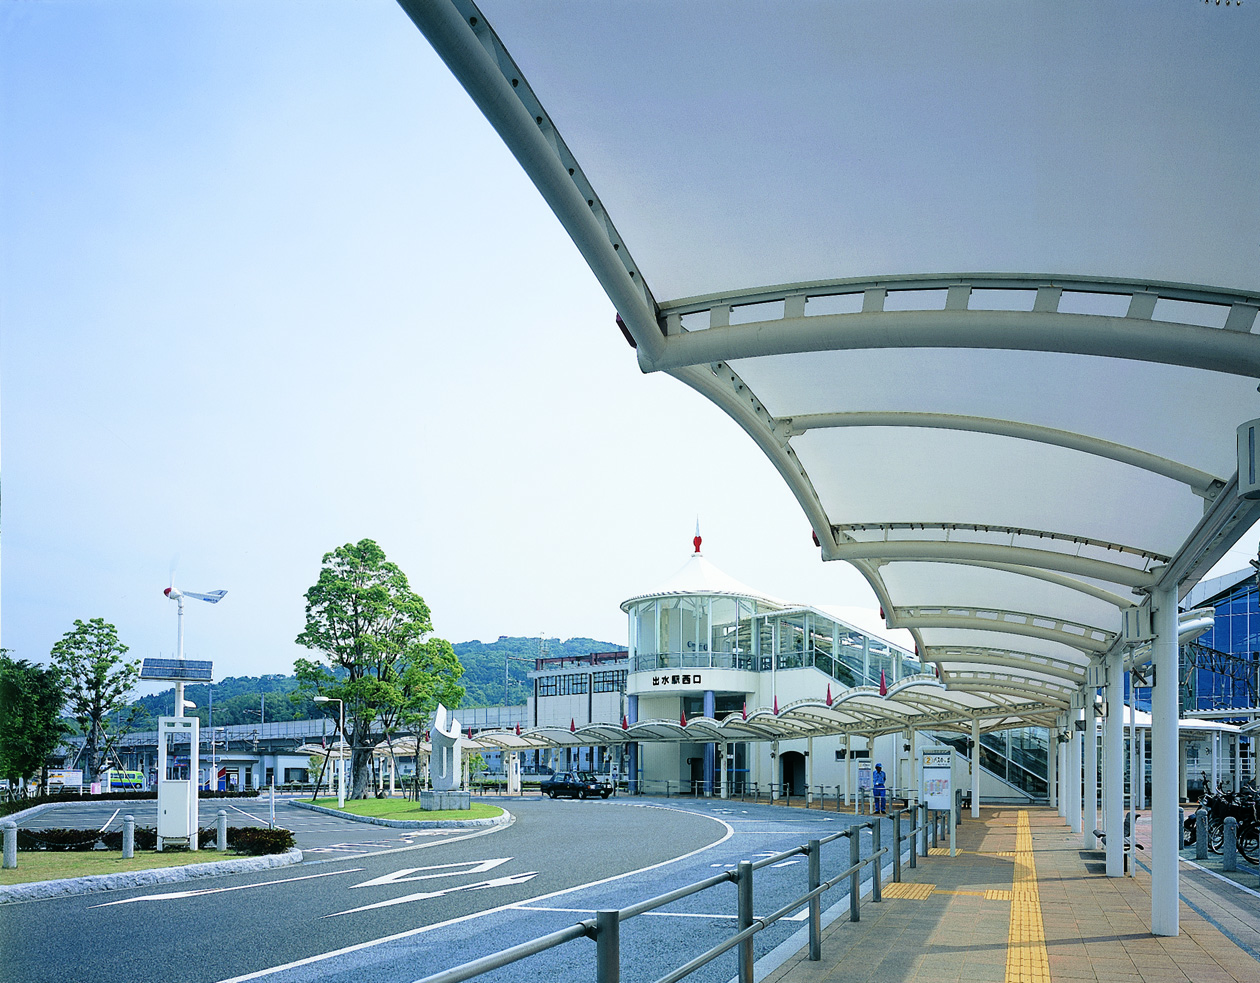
{"points": [[1139, 339], [953, 551], [1004, 658], [1201, 483], [1085, 638], [1050, 578]]}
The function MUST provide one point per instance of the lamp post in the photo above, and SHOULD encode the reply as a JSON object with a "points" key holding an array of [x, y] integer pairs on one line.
{"points": [[341, 759]]}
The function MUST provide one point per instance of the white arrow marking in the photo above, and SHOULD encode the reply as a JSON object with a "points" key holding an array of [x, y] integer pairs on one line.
{"points": [[177, 895], [478, 886], [448, 870]]}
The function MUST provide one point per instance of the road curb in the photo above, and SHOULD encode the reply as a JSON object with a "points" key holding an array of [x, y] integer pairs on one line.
{"points": [[43, 890], [505, 819]]}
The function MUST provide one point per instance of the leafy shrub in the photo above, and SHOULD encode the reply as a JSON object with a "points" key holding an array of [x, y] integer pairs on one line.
{"points": [[258, 840]]}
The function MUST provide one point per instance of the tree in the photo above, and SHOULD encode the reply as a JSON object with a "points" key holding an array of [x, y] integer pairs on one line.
{"points": [[373, 630], [30, 718], [97, 681]]}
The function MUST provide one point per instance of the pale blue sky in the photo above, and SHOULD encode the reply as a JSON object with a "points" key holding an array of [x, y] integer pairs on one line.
{"points": [[268, 284], [271, 284]]}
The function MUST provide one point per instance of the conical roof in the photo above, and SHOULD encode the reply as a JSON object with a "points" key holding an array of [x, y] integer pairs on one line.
{"points": [[699, 576]]}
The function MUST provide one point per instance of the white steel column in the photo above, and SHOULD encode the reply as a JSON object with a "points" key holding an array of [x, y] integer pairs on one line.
{"points": [[1073, 786], [1143, 734], [975, 768], [1089, 818], [848, 757], [1052, 768], [1113, 759], [1165, 811], [1216, 758], [1135, 780], [1237, 763]]}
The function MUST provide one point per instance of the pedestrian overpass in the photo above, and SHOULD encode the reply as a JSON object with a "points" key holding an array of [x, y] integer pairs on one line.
{"points": [[979, 281]]}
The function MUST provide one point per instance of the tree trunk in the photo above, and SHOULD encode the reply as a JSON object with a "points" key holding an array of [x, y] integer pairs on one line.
{"points": [[361, 768]]}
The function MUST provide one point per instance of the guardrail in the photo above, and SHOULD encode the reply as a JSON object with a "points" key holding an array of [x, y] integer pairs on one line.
{"points": [[604, 928]]}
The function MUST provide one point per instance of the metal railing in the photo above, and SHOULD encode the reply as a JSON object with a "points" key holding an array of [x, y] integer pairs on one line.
{"points": [[604, 928]]}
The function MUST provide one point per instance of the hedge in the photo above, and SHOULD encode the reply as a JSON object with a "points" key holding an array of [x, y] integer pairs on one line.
{"points": [[254, 840]]}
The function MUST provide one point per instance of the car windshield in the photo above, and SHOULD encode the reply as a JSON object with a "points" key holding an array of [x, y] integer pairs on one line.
{"points": [[586, 776]]}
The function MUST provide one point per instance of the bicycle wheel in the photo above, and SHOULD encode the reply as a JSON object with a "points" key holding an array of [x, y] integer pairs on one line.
{"points": [[1249, 843], [1216, 835]]}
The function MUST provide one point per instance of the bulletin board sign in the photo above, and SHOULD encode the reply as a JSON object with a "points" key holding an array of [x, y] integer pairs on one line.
{"points": [[938, 774]]}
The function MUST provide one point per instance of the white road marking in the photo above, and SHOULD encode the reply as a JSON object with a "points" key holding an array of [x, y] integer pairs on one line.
{"points": [[507, 881], [786, 863], [110, 819], [178, 895], [411, 933], [447, 870]]}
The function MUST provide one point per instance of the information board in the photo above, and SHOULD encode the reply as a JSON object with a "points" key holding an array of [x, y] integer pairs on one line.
{"points": [[938, 772]]}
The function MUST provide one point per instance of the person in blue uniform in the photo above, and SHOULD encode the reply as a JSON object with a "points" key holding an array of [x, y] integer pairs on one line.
{"points": [[878, 778]]}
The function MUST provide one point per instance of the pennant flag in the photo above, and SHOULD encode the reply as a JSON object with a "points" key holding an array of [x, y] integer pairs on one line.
{"points": [[625, 722], [776, 706], [745, 709], [682, 718], [518, 730], [937, 670], [883, 685], [829, 694], [572, 726]]}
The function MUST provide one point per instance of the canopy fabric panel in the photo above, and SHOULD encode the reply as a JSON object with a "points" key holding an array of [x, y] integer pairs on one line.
{"points": [[783, 204]]}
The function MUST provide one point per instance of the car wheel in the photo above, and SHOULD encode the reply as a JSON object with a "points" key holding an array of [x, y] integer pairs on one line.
{"points": [[552, 795], [604, 795], [582, 795]]}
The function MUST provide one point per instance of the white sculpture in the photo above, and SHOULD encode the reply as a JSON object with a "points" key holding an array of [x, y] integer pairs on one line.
{"points": [[444, 763]]}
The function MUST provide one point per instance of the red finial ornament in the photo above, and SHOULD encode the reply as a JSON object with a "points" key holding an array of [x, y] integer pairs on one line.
{"points": [[882, 616], [815, 535], [776, 706], [745, 709], [883, 686], [518, 730], [625, 722], [696, 539], [829, 694]]}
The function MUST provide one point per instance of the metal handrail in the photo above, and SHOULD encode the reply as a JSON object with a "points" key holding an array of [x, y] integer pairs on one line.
{"points": [[606, 933]]}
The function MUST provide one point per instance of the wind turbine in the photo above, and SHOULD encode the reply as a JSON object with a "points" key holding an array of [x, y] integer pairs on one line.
{"points": [[175, 594]]}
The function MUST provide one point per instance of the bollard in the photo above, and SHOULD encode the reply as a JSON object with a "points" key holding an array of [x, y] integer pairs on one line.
{"points": [[272, 822], [897, 848], [607, 946], [222, 844], [934, 820], [914, 839], [815, 903], [877, 872], [129, 837], [1200, 835], [744, 918], [855, 879], [10, 845], [1230, 847]]}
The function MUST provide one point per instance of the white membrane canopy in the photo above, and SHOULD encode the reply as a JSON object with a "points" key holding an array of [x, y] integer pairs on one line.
{"points": [[979, 279]]}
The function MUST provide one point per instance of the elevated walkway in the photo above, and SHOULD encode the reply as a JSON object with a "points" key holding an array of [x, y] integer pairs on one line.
{"points": [[1023, 902]]}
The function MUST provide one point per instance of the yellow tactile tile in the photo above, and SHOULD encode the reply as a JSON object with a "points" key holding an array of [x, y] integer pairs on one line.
{"points": [[914, 892], [1026, 958], [992, 895]]}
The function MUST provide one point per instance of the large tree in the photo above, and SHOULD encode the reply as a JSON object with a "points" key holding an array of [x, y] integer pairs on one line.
{"points": [[97, 680], [373, 630], [30, 718]]}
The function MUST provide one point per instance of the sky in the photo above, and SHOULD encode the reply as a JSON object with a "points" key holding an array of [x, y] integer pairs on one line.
{"points": [[269, 283]]}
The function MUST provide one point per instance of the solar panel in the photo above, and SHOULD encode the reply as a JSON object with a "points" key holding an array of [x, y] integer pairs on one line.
{"points": [[177, 669]]}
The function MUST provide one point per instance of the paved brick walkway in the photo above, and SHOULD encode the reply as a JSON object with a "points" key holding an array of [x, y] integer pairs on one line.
{"points": [[1023, 902]]}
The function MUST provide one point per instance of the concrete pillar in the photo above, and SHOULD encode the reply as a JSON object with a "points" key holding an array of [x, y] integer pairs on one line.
{"points": [[975, 768], [1113, 761], [1089, 816], [1165, 806], [632, 717], [1183, 775], [1216, 758]]}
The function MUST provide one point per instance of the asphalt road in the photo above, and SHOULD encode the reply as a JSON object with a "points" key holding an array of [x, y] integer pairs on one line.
{"points": [[379, 904]]}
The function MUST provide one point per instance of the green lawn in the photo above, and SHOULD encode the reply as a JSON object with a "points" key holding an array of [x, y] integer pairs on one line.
{"points": [[51, 865], [404, 809]]}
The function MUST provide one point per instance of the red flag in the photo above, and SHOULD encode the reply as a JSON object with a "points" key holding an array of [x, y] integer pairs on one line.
{"points": [[883, 686], [937, 670], [572, 726], [776, 706], [745, 709], [829, 694], [625, 722], [682, 718], [518, 730]]}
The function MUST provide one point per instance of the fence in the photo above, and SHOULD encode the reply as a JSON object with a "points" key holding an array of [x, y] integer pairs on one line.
{"points": [[604, 929]]}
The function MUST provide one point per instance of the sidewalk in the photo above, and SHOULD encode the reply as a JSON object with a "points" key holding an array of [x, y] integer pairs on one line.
{"points": [[1023, 902]]}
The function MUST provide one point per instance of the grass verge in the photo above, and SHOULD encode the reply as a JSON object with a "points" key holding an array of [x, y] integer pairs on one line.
{"points": [[52, 865], [404, 809]]}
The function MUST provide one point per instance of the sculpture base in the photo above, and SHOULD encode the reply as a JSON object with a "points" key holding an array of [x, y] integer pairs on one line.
{"points": [[445, 800]]}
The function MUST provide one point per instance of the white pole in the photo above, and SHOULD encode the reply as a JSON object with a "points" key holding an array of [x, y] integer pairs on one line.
{"points": [[1237, 764], [1113, 787], [1052, 768], [1165, 808], [1089, 817], [848, 758], [1135, 779], [975, 770], [341, 760], [1073, 789]]}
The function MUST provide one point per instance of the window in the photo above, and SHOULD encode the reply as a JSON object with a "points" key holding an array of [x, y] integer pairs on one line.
{"points": [[562, 685], [610, 682], [547, 685]]}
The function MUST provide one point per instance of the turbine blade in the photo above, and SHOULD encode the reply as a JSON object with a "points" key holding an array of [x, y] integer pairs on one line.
{"points": [[214, 597]]}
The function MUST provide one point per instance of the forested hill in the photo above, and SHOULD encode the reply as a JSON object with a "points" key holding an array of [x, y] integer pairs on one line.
{"points": [[483, 665], [242, 699]]}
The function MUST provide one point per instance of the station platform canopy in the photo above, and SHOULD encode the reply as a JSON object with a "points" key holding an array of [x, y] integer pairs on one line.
{"points": [[980, 280]]}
